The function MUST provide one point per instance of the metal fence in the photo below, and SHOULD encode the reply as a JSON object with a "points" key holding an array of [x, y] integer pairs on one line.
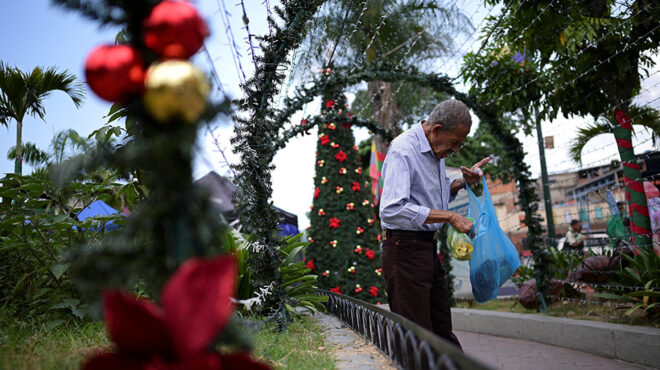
{"points": [[407, 344]]}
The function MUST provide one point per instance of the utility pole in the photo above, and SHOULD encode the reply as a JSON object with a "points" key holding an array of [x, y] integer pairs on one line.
{"points": [[544, 180]]}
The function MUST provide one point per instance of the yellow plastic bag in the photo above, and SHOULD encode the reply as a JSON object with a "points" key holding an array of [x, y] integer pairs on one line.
{"points": [[459, 244]]}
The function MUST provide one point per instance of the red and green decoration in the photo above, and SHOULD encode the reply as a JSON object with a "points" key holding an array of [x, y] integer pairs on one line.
{"points": [[640, 223], [344, 233]]}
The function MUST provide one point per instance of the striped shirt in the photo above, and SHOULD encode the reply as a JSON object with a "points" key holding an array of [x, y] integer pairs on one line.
{"points": [[414, 182]]}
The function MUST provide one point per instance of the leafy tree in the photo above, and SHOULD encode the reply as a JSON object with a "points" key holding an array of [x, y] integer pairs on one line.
{"points": [[23, 93], [63, 141], [580, 58], [405, 32]]}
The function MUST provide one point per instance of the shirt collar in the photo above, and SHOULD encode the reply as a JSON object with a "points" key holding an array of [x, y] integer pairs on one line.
{"points": [[424, 145]]}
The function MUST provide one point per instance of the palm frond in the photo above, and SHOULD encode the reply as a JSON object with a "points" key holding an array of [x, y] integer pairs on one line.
{"points": [[31, 154]]}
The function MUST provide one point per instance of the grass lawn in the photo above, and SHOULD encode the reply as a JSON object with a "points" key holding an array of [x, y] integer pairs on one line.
{"points": [[571, 310], [66, 346]]}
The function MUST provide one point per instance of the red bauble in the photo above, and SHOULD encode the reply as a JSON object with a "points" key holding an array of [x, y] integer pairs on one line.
{"points": [[174, 30], [115, 72]]}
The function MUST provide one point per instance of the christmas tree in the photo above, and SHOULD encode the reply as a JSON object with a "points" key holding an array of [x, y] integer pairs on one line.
{"points": [[344, 232]]}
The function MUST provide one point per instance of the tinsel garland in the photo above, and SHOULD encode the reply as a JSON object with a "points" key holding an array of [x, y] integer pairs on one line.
{"points": [[254, 144]]}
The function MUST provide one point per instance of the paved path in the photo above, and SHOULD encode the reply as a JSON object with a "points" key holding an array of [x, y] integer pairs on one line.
{"points": [[514, 354], [350, 350]]}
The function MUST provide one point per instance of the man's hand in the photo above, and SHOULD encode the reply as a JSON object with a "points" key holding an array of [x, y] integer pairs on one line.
{"points": [[473, 174], [460, 223]]}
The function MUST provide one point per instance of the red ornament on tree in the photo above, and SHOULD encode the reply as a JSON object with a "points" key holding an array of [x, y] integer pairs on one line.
{"points": [[369, 253], [373, 291], [310, 264], [358, 288], [325, 139], [174, 30], [341, 156], [334, 223], [336, 290], [303, 122], [317, 192], [330, 103], [115, 72], [356, 186], [359, 230]]}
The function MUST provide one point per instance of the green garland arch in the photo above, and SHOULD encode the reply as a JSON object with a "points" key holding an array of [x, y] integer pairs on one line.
{"points": [[341, 78]]}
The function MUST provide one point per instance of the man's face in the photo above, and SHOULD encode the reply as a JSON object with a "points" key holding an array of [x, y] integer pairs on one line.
{"points": [[577, 227], [444, 142]]}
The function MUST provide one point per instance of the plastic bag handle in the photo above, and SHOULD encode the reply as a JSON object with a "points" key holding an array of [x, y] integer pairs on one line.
{"points": [[474, 226]]}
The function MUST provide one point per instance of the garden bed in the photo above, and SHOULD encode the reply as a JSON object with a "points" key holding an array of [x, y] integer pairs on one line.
{"points": [[24, 346]]}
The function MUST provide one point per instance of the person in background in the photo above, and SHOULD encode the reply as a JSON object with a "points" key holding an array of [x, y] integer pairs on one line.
{"points": [[653, 202], [574, 238], [616, 229]]}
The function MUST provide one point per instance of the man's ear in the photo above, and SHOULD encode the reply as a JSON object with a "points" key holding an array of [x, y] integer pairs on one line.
{"points": [[437, 128]]}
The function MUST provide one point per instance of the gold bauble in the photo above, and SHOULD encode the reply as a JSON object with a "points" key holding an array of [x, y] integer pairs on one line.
{"points": [[175, 89]]}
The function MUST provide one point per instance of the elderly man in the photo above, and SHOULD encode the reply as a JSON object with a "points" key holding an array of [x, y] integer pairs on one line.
{"points": [[413, 206]]}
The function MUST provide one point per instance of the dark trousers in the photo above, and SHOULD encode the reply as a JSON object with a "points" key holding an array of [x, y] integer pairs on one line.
{"points": [[415, 284]]}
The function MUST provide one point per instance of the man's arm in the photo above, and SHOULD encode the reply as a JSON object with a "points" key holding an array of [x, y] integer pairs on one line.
{"points": [[459, 222], [457, 185]]}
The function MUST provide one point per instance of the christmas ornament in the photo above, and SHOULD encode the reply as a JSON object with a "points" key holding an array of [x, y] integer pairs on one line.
{"points": [[365, 202], [358, 249], [369, 253], [339, 111], [378, 238], [330, 103], [115, 72], [341, 156], [333, 243], [358, 288], [355, 147], [325, 139], [310, 239], [336, 290], [334, 223], [342, 171], [328, 71], [333, 145], [326, 273], [303, 122], [339, 190], [359, 230], [175, 89], [358, 170], [332, 126], [370, 221], [379, 271], [373, 291], [317, 193], [320, 162], [351, 269], [310, 264], [321, 212], [324, 180], [174, 30], [350, 206], [325, 125], [356, 186]]}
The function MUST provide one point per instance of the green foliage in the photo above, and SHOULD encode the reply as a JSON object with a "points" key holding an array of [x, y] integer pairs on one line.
{"points": [[336, 250], [38, 226], [643, 270]]}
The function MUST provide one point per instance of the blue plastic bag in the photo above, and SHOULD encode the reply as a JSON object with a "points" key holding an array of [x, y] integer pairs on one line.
{"points": [[494, 258]]}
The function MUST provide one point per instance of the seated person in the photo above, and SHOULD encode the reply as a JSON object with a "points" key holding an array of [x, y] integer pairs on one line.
{"points": [[574, 238]]}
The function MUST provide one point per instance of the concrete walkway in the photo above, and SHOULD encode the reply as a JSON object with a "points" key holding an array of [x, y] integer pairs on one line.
{"points": [[515, 354]]}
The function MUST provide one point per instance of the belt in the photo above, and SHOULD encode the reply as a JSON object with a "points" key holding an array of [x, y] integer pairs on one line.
{"points": [[424, 235]]}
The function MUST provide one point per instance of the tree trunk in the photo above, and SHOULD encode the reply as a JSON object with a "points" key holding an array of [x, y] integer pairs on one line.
{"points": [[18, 164], [385, 111]]}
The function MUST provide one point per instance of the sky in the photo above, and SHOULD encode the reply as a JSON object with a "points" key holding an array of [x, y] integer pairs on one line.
{"points": [[36, 33]]}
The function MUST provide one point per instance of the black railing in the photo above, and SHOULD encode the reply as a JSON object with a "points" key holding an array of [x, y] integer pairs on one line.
{"points": [[407, 344]]}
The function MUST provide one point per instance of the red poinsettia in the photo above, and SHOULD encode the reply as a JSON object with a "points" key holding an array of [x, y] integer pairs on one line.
{"points": [[325, 139], [195, 306], [317, 193], [310, 264], [356, 186], [334, 223], [373, 291], [340, 156], [336, 290], [330, 103], [369, 253]]}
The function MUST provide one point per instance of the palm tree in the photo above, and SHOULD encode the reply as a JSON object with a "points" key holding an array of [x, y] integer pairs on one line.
{"points": [[646, 117], [405, 32], [23, 93], [65, 145]]}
